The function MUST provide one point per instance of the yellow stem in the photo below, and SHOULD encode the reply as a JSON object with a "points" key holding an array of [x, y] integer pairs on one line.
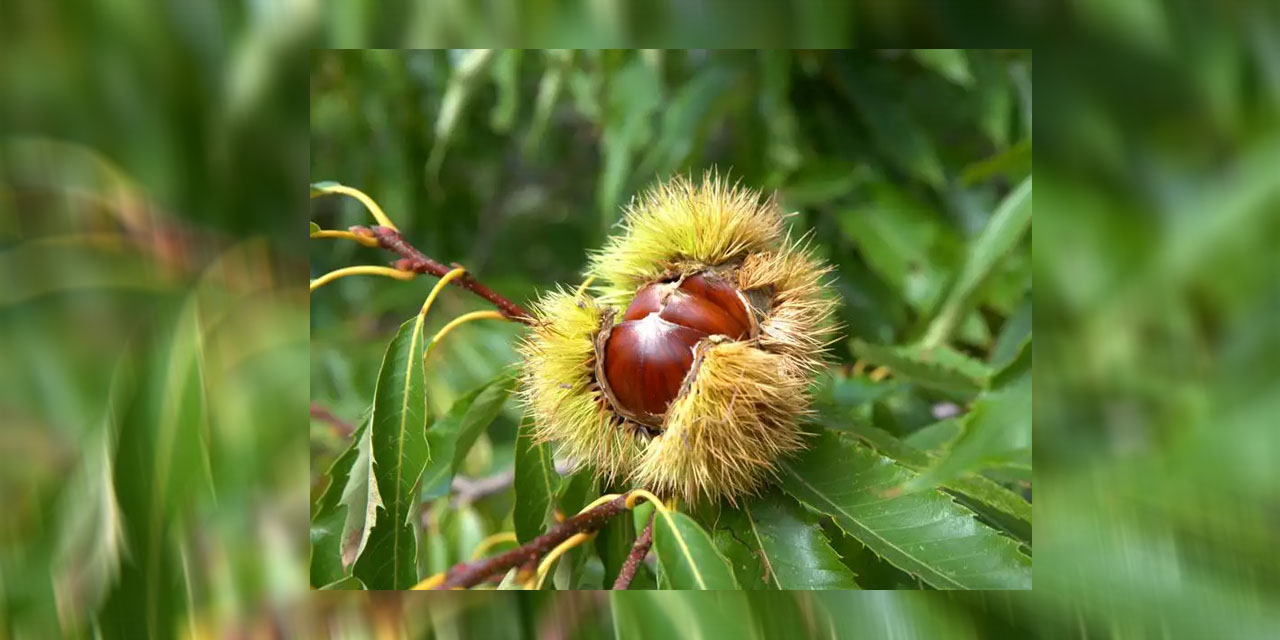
{"points": [[644, 493], [495, 539], [368, 203], [461, 320], [435, 291], [363, 270], [545, 567], [333, 233], [429, 583]]}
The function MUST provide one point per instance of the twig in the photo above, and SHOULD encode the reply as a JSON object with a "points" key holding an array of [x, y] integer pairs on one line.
{"points": [[322, 414], [638, 552], [413, 260], [469, 574]]}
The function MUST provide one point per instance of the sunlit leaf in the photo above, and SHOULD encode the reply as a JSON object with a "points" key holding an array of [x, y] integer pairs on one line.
{"points": [[925, 534]]}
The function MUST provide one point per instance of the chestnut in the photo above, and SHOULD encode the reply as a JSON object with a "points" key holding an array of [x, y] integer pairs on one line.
{"points": [[646, 356]]}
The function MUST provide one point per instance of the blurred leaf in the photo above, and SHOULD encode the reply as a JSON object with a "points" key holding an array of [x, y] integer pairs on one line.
{"points": [[1002, 233], [939, 368], [451, 435], [1014, 337], [774, 543], [536, 483], [717, 615], [633, 94], [996, 430], [948, 63], [471, 65], [688, 558], [315, 228], [506, 75], [925, 533], [345, 584], [683, 116], [896, 136], [1014, 163], [397, 432], [890, 614]]}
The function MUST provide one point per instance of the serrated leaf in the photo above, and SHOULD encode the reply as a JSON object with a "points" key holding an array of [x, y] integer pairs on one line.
{"points": [[925, 534], [361, 500], [536, 483], [976, 487], [397, 432], [939, 367], [774, 543], [1001, 234], [452, 435], [688, 558], [997, 430]]}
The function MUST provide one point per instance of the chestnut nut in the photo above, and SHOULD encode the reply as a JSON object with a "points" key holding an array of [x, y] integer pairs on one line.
{"points": [[646, 356]]}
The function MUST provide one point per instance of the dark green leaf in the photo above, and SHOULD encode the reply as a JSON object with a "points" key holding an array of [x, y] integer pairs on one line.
{"points": [[328, 517], [613, 543], [536, 483], [397, 429], [774, 543], [687, 556], [926, 533]]}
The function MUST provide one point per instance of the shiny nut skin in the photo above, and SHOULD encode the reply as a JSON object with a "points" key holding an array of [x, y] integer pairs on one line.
{"points": [[648, 353]]}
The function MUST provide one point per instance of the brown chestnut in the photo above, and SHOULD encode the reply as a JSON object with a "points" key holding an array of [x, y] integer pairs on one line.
{"points": [[646, 356]]}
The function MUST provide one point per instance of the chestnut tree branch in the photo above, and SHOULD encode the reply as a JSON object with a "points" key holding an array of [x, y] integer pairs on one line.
{"points": [[638, 552], [413, 260], [469, 574]]}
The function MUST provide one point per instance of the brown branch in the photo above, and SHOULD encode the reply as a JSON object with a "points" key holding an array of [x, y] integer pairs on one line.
{"points": [[413, 260], [638, 552], [322, 414], [469, 574]]}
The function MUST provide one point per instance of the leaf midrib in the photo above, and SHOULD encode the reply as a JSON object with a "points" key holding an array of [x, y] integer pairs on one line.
{"points": [[684, 548], [923, 567]]}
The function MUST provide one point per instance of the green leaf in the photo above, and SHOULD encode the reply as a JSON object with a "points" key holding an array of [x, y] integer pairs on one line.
{"points": [[982, 489], [996, 431], [344, 584], [315, 228], [451, 436], [328, 517], [397, 428], [722, 615], [688, 558], [925, 534], [774, 543], [1013, 162], [940, 367], [948, 63], [1003, 232], [890, 614], [536, 483], [361, 500]]}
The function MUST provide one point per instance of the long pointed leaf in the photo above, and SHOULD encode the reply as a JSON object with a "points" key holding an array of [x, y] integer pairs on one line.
{"points": [[536, 483], [925, 534], [398, 435]]}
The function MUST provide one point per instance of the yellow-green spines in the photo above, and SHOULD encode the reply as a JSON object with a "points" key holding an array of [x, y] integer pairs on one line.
{"points": [[742, 403], [559, 389]]}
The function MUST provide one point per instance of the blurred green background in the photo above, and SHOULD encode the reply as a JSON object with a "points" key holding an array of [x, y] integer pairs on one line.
{"points": [[1157, 302]]}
